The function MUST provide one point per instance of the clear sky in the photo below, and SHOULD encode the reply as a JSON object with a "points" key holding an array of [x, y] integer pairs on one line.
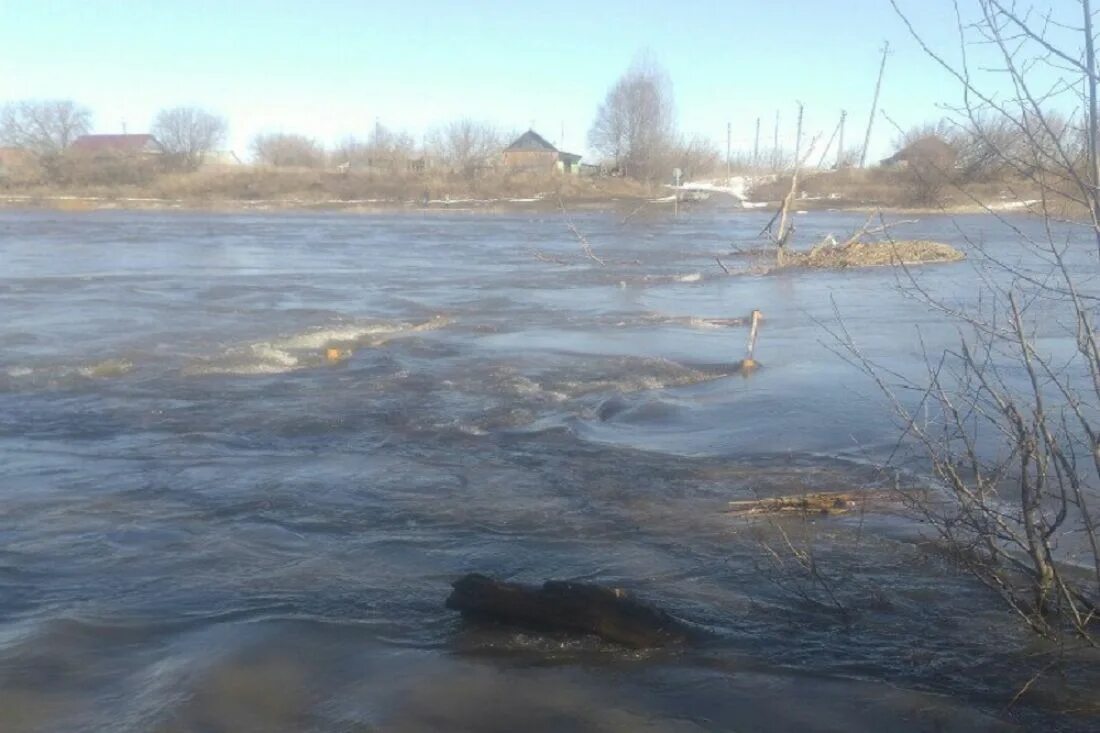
{"points": [[328, 68]]}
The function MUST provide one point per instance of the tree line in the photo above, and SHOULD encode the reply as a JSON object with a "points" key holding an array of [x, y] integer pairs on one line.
{"points": [[46, 130], [634, 133]]}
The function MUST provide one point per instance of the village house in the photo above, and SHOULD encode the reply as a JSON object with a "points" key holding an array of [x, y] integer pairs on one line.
{"points": [[112, 159], [531, 151], [115, 145], [930, 150]]}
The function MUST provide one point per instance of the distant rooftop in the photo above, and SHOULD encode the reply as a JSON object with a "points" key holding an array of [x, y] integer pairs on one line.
{"points": [[531, 141], [115, 144]]}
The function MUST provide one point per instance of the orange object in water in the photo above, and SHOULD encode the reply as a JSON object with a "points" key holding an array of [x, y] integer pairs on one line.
{"points": [[334, 354]]}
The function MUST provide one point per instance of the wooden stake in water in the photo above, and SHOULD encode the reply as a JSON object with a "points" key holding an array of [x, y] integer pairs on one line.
{"points": [[749, 363]]}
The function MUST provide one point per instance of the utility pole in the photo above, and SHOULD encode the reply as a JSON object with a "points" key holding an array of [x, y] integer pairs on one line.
{"points": [[840, 148], [729, 133], [561, 140], [874, 106], [756, 147], [828, 145], [798, 137], [775, 143]]}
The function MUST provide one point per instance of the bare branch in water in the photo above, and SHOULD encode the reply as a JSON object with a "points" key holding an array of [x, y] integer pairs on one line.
{"points": [[580, 237]]}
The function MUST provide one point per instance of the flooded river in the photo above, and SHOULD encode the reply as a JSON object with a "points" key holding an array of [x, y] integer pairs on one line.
{"points": [[242, 457]]}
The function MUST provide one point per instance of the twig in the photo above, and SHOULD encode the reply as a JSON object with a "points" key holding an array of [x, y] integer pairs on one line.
{"points": [[629, 216], [549, 260], [1027, 685], [580, 237]]}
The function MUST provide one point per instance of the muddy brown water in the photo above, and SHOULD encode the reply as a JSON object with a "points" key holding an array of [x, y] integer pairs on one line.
{"points": [[208, 524]]}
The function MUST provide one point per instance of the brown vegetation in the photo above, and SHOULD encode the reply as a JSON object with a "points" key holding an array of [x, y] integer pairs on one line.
{"points": [[874, 254], [287, 150], [1008, 512], [43, 127], [187, 134], [142, 179], [890, 188], [823, 502]]}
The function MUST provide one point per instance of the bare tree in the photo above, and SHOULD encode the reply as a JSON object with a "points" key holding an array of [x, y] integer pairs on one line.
{"points": [[391, 144], [466, 145], [1007, 419], [43, 127], [635, 124], [991, 147], [697, 156], [384, 148], [351, 152], [187, 134], [287, 150]]}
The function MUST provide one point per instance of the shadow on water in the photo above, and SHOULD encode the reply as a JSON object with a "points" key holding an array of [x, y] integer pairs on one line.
{"points": [[211, 523]]}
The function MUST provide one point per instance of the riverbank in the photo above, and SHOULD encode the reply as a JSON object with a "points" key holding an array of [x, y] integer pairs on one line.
{"points": [[77, 203], [545, 202], [276, 189], [261, 189]]}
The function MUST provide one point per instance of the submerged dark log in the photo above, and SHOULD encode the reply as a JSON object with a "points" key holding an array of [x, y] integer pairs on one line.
{"points": [[609, 613]]}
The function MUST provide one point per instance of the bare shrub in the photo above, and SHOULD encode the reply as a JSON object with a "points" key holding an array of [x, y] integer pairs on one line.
{"points": [[1017, 513], [384, 149], [20, 168], [187, 134], [696, 157], [873, 186], [79, 168], [466, 146], [288, 150]]}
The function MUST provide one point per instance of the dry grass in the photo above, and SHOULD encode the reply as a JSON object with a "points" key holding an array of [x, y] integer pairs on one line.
{"points": [[822, 502], [874, 254], [305, 186], [893, 189], [847, 186]]}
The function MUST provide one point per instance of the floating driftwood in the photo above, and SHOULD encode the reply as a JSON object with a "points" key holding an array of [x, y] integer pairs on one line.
{"points": [[749, 363], [823, 502], [609, 613]]}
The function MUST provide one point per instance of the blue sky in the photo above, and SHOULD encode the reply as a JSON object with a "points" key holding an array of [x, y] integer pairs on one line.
{"points": [[329, 68]]}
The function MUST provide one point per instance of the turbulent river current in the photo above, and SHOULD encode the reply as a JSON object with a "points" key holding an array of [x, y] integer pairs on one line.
{"points": [[243, 456]]}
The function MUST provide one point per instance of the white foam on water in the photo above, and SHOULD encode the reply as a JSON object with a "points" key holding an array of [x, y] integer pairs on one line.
{"points": [[695, 322], [522, 386], [307, 349], [63, 373], [635, 383], [700, 322], [273, 355], [106, 368], [320, 339]]}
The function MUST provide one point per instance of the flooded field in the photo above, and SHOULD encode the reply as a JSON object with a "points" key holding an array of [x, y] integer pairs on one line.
{"points": [[242, 458]]}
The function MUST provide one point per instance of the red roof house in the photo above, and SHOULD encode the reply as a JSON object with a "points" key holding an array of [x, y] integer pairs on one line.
{"points": [[116, 145]]}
